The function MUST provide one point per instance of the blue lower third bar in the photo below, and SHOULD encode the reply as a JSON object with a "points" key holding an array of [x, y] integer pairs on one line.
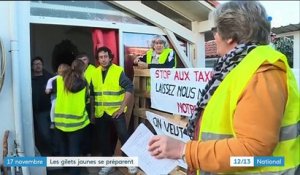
{"points": [[268, 161], [25, 161]]}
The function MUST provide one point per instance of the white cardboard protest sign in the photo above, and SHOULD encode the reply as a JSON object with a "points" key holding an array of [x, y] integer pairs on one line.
{"points": [[164, 127], [178, 90]]}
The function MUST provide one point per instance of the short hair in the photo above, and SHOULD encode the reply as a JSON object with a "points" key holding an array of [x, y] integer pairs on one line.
{"points": [[104, 49], [37, 58], [160, 38], [243, 21], [81, 54]]}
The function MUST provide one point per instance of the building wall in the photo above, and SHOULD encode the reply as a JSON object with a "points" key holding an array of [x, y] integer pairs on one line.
{"points": [[6, 100], [15, 97]]}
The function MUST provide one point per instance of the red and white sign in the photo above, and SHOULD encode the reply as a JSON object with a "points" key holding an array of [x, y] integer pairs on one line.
{"points": [[178, 90]]}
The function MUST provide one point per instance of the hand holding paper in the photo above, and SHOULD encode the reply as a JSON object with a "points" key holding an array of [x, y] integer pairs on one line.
{"points": [[137, 146], [166, 147]]}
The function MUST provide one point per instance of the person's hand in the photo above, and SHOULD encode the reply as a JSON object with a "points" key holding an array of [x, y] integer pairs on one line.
{"points": [[47, 91], [136, 60], [117, 113], [142, 65], [165, 147]]}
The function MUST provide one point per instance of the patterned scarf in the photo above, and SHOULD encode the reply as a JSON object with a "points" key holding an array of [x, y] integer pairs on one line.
{"points": [[222, 67]]}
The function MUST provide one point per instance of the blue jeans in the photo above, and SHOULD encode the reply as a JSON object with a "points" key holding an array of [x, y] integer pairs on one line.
{"points": [[70, 144], [102, 128], [43, 132]]}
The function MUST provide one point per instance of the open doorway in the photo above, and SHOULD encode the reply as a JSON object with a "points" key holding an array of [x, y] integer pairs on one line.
{"points": [[47, 40], [55, 45], [58, 44]]}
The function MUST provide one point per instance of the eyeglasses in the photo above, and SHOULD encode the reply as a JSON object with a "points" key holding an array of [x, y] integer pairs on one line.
{"points": [[213, 30]]}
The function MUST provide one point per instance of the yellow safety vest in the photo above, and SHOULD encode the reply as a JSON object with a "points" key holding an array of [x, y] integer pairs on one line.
{"points": [[89, 72], [162, 57], [70, 112], [217, 119], [161, 60], [109, 95]]}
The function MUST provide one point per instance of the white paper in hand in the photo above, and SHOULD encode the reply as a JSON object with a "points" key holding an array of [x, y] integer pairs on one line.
{"points": [[137, 146]]}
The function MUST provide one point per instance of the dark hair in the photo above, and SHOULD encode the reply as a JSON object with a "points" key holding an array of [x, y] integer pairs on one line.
{"points": [[104, 49], [75, 73], [81, 54], [37, 58]]}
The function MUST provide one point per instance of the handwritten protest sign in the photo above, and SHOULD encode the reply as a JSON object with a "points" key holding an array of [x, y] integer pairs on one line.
{"points": [[178, 90], [163, 126]]}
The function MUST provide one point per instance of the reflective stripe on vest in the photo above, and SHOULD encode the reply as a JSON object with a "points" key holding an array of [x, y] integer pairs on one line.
{"points": [[221, 125], [69, 125], [286, 133], [70, 111], [109, 95], [108, 103]]}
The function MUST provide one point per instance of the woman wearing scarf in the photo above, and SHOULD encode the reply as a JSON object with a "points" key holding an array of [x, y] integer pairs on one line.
{"points": [[249, 108]]}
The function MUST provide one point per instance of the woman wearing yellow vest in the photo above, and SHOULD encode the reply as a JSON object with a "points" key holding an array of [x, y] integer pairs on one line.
{"points": [[249, 108], [159, 56], [111, 91], [71, 116], [88, 72]]}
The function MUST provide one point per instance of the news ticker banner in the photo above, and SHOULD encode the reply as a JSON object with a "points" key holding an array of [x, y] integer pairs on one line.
{"points": [[257, 161], [70, 161], [238, 161]]}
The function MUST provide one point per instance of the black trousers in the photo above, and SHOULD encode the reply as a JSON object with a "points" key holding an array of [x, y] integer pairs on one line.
{"points": [[103, 125]]}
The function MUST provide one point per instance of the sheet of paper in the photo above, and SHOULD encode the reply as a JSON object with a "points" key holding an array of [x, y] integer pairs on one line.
{"points": [[137, 146]]}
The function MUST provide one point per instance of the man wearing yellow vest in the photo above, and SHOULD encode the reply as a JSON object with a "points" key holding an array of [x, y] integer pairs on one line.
{"points": [[111, 91], [89, 68], [249, 108]]}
